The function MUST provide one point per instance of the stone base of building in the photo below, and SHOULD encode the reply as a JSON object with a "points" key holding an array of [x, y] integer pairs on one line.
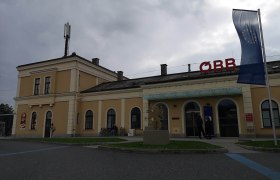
{"points": [[177, 135], [156, 137], [40, 136]]}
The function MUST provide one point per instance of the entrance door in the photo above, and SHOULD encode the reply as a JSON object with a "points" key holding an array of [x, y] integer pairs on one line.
{"points": [[192, 111], [228, 119], [191, 129], [48, 124], [111, 118]]}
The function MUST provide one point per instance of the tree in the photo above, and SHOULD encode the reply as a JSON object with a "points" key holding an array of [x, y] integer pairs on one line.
{"points": [[6, 119], [6, 109]]}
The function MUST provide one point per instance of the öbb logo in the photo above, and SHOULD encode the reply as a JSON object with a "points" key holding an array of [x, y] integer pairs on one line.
{"points": [[218, 66]]}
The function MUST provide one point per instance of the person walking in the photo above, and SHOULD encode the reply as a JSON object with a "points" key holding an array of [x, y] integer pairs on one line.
{"points": [[199, 125], [208, 120]]}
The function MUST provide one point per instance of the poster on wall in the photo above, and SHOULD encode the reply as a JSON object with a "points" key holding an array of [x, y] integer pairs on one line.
{"points": [[23, 121], [208, 120]]}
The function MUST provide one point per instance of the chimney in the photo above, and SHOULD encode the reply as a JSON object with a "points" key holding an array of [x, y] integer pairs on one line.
{"points": [[163, 69], [120, 75], [95, 61], [189, 67]]}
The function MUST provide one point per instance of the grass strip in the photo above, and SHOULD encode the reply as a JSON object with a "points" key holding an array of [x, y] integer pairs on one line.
{"points": [[172, 145], [261, 144]]}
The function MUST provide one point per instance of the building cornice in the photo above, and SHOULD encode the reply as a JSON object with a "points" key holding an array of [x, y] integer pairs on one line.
{"points": [[44, 96], [190, 82], [66, 63], [116, 94]]}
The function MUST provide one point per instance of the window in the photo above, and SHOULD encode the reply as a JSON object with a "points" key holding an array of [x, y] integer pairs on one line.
{"points": [[47, 84], [89, 120], [266, 116], [48, 124], [33, 120], [37, 86], [111, 118], [192, 106], [135, 118], [228, 119], [192, 111]]}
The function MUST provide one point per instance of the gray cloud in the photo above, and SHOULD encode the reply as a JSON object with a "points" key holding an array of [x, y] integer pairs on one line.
{"points": [[133, 36]]}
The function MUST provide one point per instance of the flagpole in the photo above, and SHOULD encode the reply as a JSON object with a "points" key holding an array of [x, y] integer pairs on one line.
{"points": [[267, 81]]}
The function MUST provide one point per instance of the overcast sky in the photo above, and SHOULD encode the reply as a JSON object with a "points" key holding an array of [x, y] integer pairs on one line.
{"points": [[134, 36]]}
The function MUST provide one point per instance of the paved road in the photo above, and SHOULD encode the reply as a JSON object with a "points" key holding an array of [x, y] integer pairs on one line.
{"points": [[29, 160]]}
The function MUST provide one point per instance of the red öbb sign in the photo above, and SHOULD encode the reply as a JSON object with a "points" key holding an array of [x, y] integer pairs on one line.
{"points": [[218, 65]]}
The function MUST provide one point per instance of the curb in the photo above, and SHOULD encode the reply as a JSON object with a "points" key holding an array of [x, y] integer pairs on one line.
{"points": [[163, 151], [275, 150], [68, 144]]}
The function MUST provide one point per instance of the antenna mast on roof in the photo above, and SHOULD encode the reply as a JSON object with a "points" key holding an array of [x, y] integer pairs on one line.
{"points": [[67, 31]]}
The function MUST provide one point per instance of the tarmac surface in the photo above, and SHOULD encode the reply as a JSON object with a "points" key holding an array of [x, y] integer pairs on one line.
{"points": [[35, 160]]}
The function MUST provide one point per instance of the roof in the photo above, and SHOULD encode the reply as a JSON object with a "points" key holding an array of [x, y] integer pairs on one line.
{"points": [[136, 83], [64, 57]]}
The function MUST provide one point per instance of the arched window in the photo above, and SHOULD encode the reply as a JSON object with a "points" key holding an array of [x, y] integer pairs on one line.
{"points": [[192, 106], [33, 120], [89, 120], [266, 116], [192, 111], [135, 118], [111, 118], [49, 115], [48, 123], [228, 119]]}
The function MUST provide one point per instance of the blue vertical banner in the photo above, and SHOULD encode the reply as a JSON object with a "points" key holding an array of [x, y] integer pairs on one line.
{"points": [[252, 66]]}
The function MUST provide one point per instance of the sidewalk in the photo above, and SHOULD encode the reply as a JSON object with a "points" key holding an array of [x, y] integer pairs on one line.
{"points": [[228, 143]]}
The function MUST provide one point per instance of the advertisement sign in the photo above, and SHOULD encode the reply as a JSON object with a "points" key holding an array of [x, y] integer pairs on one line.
{"points": [[218, 66], [23, 121]]}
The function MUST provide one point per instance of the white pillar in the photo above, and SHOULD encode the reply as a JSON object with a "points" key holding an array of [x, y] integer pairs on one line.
{"points": [[18, 87], [122, 112], [248, 108], [16, 107], [247, 99], [145, 113], [99, 116], [71, 116], [72, 107], [74, 80], [15, 120]]}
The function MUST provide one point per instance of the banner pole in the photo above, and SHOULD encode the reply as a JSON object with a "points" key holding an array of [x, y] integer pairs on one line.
{"points": [[267, 81]]}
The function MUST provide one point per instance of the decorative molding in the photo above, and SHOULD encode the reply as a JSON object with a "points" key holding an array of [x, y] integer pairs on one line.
{"points": [[67, 64], [192, 82], [43, 71], [107, 95], [45, 99], [194, 93]]}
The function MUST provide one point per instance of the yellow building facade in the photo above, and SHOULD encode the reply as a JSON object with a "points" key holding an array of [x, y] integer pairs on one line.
{"points": [[72, 96]]}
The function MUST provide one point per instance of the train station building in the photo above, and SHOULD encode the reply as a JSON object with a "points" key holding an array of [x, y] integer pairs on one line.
{"points": [[79, 97]]}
